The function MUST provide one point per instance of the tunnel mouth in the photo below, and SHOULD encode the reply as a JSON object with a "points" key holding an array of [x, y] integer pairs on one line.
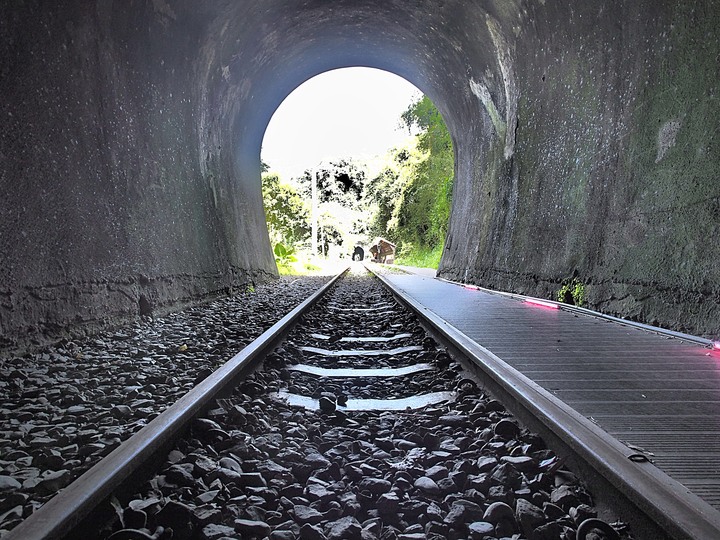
{"points": [[352, 209]]}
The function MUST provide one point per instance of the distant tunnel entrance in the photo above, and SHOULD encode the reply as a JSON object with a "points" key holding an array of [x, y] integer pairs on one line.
{"points": [[354, 155]]}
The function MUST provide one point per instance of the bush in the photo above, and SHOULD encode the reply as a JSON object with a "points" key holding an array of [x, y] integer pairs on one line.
{"points": [[572, 292]]}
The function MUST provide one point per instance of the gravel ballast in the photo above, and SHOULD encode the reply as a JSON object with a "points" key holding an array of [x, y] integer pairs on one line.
{"points": [[65, 407]]}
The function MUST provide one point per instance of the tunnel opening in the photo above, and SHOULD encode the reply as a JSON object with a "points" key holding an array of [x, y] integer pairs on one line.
{"points": [[378, 157]]}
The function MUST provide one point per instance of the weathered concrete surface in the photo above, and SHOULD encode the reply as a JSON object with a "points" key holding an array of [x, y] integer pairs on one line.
{"points": [[117, 195], [586, 140], [613, 178]]}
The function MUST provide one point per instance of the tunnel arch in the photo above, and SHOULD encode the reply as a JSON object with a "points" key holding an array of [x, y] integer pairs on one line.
{"points": [[463, 71], [584, 138]]}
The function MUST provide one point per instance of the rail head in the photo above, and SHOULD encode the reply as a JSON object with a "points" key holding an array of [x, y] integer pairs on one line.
{"points": [[660, 499], [61, 514]]}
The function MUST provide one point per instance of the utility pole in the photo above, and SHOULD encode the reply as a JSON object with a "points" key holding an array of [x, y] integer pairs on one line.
{"points": [[313, 211]]}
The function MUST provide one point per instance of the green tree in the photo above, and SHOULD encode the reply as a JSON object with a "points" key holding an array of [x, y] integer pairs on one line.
{"points": [[385, 190], [413, 193], [341, 181], [285, 212]]}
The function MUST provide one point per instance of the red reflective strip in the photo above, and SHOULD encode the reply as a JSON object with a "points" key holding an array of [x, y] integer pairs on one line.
{"points": [[541, 303]]}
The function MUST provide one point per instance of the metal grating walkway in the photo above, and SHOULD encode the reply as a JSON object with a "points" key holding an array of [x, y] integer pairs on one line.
{"points": [[656, 393]]}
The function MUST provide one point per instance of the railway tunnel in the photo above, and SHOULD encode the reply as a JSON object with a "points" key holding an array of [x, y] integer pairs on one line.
{"points": [[586, 140]]}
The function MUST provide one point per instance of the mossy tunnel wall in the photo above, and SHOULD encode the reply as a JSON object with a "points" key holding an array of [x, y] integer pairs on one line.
{"points": [[586, 138]]}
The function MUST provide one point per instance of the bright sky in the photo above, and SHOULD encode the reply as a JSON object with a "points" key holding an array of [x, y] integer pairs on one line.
{"points": [[344, 113]]}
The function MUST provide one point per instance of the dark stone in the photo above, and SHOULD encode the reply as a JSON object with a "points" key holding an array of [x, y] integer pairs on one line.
{"points": [[316, 492], [388, 503], [507, 429], [316, 461], [497, 512], [376, 486], [506, 475], [252, 528], [564, 496], [312, 532], [178, 517], [529, 516], [347, 528], [180, 475], [427, 485], [8, 483], [305, 514], [53, 482], [521, 463], [548, 531], [327, 404], [479, 530], [216, 531], [582, 512], [282, 535]]}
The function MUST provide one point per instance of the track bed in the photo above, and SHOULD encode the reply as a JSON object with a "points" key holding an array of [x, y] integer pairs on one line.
{"points": [[255, 466]]}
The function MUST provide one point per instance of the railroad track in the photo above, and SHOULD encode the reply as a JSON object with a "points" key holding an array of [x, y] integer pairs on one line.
{"points": [[358, 425]]}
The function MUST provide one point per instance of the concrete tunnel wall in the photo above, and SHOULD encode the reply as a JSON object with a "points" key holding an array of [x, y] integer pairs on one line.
{"points": [[585, 137]]}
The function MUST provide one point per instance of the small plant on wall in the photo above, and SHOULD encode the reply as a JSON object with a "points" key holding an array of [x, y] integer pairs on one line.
{"points": [[572, 292], [284, 256]]}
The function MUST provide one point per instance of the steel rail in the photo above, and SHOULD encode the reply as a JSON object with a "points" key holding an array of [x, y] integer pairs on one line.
{"points": [[662, 506], [61, 514]]}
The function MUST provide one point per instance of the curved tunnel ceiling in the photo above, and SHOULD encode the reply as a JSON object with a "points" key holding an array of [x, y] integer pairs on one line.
{"points": [[421, 42]]}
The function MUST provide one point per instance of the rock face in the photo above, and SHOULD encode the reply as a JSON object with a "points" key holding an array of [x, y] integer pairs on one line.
{"points": [[130, 141], [599, 166]]}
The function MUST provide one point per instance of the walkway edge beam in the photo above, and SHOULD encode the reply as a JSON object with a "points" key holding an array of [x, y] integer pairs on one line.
{"points": [[58, 517], [663, 500], [705, 342]]}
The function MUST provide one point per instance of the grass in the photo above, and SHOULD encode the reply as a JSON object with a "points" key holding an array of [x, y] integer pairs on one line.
{"points": [[305, 265], [421, 257], [572, 292]]}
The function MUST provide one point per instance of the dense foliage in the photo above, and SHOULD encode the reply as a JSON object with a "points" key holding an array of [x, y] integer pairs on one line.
{"points": [[285, 212], [413, 193]]}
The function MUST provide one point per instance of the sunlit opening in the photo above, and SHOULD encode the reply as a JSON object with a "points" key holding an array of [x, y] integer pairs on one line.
{"points": [[358, 164], [341, 114]]}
